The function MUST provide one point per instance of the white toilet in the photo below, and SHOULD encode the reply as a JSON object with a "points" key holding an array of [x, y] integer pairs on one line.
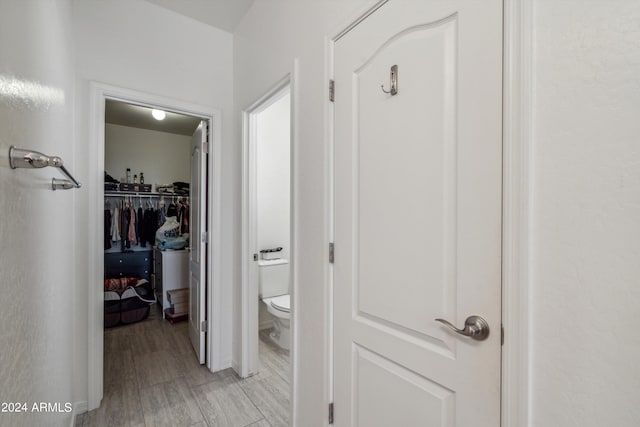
{"points": [[274, 293]]}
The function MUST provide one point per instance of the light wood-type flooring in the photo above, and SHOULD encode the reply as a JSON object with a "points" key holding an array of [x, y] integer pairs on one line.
{"points": [[152, 378]]}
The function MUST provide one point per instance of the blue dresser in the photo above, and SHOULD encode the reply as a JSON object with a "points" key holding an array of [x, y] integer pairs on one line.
{"points": [[128, 264]]}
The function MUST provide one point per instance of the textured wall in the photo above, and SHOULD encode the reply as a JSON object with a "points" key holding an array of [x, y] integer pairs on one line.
{"points": [[37, 228], [586, 211]]}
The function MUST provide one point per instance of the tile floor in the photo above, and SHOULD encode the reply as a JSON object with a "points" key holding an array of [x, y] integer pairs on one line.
{"points": [[152, 378]]}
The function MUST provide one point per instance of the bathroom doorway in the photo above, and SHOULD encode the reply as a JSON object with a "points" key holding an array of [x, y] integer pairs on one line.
{"points": [[268, 255]]}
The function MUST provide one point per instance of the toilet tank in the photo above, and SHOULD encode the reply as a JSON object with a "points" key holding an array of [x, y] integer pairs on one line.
{"points": [[273, 277]]}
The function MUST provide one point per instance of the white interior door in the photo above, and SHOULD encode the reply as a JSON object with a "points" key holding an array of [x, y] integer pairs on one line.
{"points": [[418, 215], [198, 241]]}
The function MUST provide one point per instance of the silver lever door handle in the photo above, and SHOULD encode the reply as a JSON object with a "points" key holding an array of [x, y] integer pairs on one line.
{"points": [[475, 327]]}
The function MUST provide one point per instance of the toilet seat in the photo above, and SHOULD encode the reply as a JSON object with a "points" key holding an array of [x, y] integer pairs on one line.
{"points": [[281, 303]]}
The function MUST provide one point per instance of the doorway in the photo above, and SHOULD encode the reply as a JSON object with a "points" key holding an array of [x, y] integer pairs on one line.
{"points": [[155, 229], [203, 230], [268, 257]]}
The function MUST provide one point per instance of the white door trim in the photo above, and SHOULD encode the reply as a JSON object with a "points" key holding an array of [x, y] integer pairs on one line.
{"points": [[99, 93], [247, 365], [517, 116], [516, 213]]}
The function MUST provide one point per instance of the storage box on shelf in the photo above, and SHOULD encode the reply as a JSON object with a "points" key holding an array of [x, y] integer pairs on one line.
{"points": [[136, 188]]}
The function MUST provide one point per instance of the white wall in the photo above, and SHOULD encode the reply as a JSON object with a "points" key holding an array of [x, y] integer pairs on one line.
{"points": [[273, 142], [163, 157], [37, 228], [267, 41], [137, 45], [586, 214], [586, 198]]}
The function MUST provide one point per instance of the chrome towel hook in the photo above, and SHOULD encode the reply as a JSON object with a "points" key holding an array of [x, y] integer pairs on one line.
{"points": [[394, 82], [24, 158]]}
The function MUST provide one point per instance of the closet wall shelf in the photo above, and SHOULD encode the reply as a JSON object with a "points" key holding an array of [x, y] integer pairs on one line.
{"points": [[137, 194]]}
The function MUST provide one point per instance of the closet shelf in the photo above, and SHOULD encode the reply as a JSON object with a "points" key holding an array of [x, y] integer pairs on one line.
{"points": [[139, 194]]}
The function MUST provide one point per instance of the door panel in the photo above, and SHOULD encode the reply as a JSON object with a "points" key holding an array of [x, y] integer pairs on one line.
{"points": [[413, 154], [198, 251], [416, 400], [418, 215]]}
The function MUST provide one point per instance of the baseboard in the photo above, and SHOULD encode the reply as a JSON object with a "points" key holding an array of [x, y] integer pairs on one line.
{"points": [[78, 408], [81, 407], [236, 367], [265, 324], [225, 364]]}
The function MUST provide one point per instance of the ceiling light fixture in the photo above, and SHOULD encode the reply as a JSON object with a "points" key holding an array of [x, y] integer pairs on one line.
{"points": [[158, 114]]}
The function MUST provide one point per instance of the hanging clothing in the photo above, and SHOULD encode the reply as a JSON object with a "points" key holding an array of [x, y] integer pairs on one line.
{"points": [[132, 226], [172, 210], [139, 229], [150, 225], [161, 216], [124, 230], [185, 221], [183, 218], [180, 215], [115, 225], [127, 223], [107, 229]]}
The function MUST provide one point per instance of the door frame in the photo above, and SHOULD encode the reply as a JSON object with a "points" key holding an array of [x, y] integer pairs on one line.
{"points": [[99, 93], [516, 201], [247, 364]]}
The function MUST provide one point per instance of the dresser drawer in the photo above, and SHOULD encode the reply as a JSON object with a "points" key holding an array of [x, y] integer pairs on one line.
{"points": [[128, 264], [134, 259]]}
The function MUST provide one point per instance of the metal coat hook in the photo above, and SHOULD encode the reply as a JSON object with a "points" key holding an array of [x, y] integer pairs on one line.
{"points": [[23, 158], [394, 82]]}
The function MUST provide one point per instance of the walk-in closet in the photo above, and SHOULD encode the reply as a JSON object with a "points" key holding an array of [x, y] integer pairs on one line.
{"points": [[147, 213]]}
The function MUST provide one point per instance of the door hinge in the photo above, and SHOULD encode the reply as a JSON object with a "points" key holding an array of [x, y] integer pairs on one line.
{"points": [[331, 252], [205, 147], [501, 334], [331, 413], [332, 90], [204, 237], [255, 257], [203, 326]]}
